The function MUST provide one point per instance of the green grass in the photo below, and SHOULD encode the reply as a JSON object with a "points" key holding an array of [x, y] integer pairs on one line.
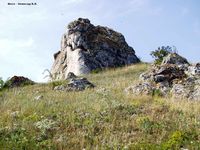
{"points": [[101, 118]]}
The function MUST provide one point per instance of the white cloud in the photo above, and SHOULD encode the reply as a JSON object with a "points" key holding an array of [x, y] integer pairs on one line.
{"points": [[16, 47], [19, 57]]}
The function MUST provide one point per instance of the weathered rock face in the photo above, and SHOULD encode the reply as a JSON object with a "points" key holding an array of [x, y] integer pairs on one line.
{"points": [[86, 47], [175, 76]]}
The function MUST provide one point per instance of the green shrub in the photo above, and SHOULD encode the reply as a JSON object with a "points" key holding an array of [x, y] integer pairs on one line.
{"points": [[95, 71], [143, 146], [53, 84], [160, 53], [1, 83], [145, 124], [157, 92], [180, 139]]}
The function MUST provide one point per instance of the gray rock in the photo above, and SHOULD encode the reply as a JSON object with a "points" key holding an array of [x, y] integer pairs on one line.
{"points": [[197, 69], [174, 58], [86, 47], [197, 81], [60, 88], [189, 89], [196, 94], [146, 77], [163, 87], [160, 78], [75, 85], [79, 84], [142, 88], [15, 114], [39, 97], [194, 70], [179, 91], [71, 75], [190, 81]]}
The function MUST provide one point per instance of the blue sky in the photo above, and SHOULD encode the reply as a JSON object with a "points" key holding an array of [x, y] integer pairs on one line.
{"points": [[30, 35]]}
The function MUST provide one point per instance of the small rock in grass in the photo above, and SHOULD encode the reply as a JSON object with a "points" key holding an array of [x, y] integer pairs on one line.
{"points": [[39, 97]]}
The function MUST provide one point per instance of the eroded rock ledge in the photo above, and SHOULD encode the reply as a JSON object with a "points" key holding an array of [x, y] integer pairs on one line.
{"points": [[85, 47]]}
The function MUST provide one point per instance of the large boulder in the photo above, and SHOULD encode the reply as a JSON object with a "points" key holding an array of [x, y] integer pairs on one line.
{"points": [[75, 84], [174, 58], [85, 47]]}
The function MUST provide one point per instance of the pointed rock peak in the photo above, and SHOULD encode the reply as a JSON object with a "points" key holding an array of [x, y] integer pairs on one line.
{"points": [[85, 47]]}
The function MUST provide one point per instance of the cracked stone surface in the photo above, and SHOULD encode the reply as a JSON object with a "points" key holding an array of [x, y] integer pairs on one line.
{"points": [[85, 47]]}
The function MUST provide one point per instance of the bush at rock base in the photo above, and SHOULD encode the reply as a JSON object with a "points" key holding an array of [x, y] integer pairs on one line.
{"points": [[160, 53]]}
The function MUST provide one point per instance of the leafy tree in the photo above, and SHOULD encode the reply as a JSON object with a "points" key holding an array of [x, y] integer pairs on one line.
{"points": [[161, 52]]}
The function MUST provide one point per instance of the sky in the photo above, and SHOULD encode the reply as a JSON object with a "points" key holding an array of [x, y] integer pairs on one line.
{"points": [[30, 35]]}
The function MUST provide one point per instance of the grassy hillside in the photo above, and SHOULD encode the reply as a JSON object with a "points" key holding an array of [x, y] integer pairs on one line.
{"points": [[36, 117]]}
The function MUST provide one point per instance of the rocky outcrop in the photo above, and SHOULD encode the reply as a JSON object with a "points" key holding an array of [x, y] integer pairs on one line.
{"points": [[85, 47], [175, 76]]}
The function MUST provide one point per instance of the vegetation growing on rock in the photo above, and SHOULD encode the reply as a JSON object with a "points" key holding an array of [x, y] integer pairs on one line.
{"points": [[160, 53]]}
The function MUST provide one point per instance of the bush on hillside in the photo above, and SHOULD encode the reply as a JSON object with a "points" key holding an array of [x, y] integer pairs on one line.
{"points": [[161, 52]]}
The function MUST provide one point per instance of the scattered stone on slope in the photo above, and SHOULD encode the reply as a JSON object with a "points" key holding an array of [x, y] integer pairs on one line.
{"points": [[15, 114], [79, 84], [75, 84], [142, 88], [85, 47], [17, 81], [175, 76], [39, 97]]}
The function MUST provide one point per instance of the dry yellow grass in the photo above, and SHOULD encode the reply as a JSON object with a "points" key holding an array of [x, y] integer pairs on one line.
{"points": [[101, 118]]}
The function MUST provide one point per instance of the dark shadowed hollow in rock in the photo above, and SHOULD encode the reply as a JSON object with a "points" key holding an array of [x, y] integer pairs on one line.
{"points": [[85, 47]]}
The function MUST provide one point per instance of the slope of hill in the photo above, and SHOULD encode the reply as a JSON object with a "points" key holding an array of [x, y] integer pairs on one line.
{"points": [[105, 117]]}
